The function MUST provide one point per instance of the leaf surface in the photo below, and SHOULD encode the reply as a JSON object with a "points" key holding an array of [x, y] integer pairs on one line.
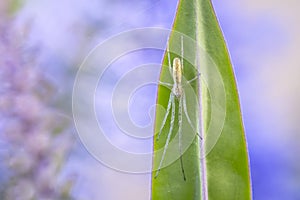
{"points": [[216, 167]]}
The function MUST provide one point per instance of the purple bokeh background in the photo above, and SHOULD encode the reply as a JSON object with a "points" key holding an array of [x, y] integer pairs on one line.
{"points": [[263, 41]]}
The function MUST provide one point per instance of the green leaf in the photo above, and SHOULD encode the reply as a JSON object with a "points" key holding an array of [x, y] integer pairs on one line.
{"points": [[216, 167]]}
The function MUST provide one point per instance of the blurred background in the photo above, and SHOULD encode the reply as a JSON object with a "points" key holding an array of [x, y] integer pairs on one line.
{"points": [[42, 45]]}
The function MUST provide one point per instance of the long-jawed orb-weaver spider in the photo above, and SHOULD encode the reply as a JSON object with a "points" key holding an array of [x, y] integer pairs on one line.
{"points": [[176, 93]]}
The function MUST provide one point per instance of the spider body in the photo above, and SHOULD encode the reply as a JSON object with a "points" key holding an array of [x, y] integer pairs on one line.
{"points": [[177, 78]]}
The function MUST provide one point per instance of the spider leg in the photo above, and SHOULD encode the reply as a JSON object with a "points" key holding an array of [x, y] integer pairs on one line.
{"points": [[187, 115], [165, 84], [169, 57], [195, 78], [180, 135], [182, 52], [168, 137], [166, 115]]}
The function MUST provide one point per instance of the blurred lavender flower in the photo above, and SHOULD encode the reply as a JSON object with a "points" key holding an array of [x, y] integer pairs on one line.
{"points": [[36, 136]]}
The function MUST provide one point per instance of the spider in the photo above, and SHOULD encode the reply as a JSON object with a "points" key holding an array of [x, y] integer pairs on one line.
{"points": [[176, 93]]}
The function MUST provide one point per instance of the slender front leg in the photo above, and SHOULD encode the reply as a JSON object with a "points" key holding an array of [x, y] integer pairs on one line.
{"points": [[169, 57], [182, 52], [166, 115], [187, 115], [168, 137], [180, 135]]}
